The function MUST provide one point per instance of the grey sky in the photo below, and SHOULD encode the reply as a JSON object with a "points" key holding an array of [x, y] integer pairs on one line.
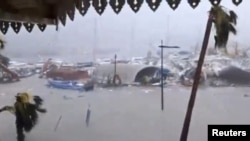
{"points": [[184, 27]]}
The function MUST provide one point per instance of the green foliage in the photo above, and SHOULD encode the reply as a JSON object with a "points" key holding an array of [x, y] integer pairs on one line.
{"points": [[224, 23], [2, 44]]}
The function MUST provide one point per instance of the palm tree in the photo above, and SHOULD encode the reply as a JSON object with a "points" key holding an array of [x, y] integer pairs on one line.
{"points": [[2, 44], [4, 60], [224, 25]]}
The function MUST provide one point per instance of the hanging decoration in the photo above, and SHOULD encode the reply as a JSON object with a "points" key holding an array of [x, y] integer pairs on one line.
{"points": [[70, 9], [16, 26], [59, 10], [63, 18], [135, 5], [83, 6], [28, 26], [193, 3], [99, 5], [4, 26], [42, 27], [71, 13], [117, 5], [173, 3], [153, 4], [237, 2], [215, 2], [64, 8]]}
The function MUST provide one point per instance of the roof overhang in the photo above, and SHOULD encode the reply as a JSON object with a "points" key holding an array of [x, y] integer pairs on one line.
{"points": [[27, 13]]}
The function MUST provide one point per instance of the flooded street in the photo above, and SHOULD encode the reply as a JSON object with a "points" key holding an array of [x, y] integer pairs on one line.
{"points": [[124, 114]]}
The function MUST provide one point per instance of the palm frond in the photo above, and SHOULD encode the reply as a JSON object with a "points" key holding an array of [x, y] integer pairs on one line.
{"points": [[215, 41], [233, 17], [232, 29], [224, 24], [2, 44], [222, 33]]}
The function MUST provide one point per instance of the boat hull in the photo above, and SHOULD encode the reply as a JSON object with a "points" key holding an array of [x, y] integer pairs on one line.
{"points": [[72, 85]]}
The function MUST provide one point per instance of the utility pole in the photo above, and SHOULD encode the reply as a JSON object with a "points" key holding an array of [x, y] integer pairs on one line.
{"points": [[162, 84], [186, 124], [95, 40], [115, 65]]}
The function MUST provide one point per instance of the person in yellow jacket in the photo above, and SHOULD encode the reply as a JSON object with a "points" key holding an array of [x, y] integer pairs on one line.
{"points": [[25, 112]]}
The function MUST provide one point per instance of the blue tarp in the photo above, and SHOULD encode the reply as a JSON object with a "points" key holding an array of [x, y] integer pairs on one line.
{"points": [[72, 85], [165, 73]]}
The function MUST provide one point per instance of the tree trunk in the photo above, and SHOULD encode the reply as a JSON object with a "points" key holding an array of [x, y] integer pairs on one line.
{"points": [[225, 50], [185, 129]]}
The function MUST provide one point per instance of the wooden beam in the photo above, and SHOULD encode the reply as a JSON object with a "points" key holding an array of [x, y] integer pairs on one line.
{"points": [[20, 18]]}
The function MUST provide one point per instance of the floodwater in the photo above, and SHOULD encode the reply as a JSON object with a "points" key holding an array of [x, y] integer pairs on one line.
{"points": [[124, 114]]}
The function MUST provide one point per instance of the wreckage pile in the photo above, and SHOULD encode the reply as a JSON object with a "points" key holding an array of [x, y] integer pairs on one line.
{"points": [[217, 71]]}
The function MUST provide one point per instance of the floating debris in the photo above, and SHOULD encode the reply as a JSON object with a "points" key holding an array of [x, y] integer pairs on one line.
{"points": [[67, 97], [147, 91], [57, 124], [88, 116]]}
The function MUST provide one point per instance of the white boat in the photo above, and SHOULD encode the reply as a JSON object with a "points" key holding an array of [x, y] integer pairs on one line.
{"points": [[104, 61], [137, 60]]}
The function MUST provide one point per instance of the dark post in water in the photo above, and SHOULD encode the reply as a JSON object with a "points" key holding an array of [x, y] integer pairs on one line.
{"points": [[162, 84], [185, 129], [115, 65]]}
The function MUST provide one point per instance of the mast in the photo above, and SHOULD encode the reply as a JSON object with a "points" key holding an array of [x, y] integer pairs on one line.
{"points": [[95, 40], [167, 30], [132, 40]]}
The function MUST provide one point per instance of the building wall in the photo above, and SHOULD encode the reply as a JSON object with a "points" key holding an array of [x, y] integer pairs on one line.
{"points": [[127, 72]]}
